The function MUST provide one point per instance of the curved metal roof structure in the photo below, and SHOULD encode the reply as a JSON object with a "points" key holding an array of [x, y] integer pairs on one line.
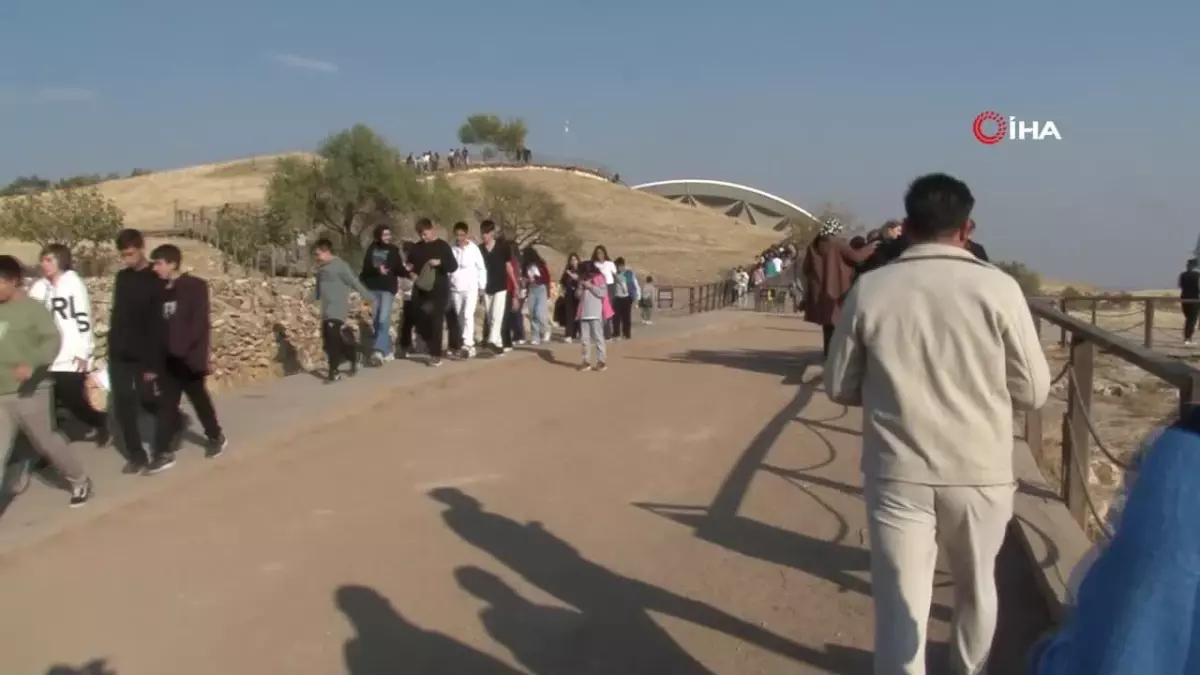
{"points": [[736, 201]]}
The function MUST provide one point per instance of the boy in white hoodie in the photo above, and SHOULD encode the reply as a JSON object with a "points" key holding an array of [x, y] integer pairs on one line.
{"points": [[65, 296]]}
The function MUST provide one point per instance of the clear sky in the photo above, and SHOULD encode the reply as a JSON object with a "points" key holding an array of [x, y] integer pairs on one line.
{"points": [[814, 101]]}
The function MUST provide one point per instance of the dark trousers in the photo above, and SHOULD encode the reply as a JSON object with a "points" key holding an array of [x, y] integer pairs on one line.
{"points": [[453, 328], [1191, 310], [570, 323], [130, 394], [826, 336], [508, 326], [622, 321], [336, 345], [176, 381], [431, 318], [408, 323], [70, 392]]}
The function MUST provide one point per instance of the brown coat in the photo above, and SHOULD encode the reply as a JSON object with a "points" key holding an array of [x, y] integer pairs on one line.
{"points": [[828, 274]]}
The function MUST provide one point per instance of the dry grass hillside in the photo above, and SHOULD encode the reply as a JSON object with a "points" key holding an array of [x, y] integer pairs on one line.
{"points": [[678, 243]]}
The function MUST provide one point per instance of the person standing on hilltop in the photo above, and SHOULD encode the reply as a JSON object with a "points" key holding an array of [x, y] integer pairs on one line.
{"points": [[938, 348], [29, 343], [64, 294], [335, 280], [1189, 299], [136, 343], [381, 266], [828, 272], [431, 262], [186, 366]]}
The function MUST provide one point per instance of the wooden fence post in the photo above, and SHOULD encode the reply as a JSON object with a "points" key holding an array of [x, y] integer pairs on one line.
{"points": [[1062, 335], [1148, 336], [1095, 306], [1076, 437], [691, 299]]}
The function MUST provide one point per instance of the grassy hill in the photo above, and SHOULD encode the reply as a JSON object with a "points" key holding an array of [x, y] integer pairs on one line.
{"points": [[677, 243]]}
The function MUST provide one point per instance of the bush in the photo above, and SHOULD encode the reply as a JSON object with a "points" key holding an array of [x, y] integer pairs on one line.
{"points": [[1029, 280], [82, 218]]}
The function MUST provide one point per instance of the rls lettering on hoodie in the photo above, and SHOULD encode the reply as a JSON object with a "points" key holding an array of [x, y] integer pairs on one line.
{"points": [[68, 302]]}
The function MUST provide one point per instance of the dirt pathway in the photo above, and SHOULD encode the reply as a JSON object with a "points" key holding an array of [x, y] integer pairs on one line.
{"points": [[527, 518]]}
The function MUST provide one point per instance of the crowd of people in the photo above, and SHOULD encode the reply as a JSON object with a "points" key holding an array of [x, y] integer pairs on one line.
{"points": [[160, 327], [456, 158]]}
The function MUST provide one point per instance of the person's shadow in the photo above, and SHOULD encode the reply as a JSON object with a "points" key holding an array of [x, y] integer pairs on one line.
{"points": [[616, 608], [93, 667], [286, 353], [388, 644]]}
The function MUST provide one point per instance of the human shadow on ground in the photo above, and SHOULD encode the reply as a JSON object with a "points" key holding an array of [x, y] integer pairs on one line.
{"points": [[386, 643], [788, 364], [616, 609], [93, 667], [547, 354]]}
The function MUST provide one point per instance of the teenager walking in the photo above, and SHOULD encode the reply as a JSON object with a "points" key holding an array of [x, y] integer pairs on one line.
{"points": [[430, 263], [1189, 299], [136, 344], [938, 348], [625, 294], [594, 310], [647, 295], [335, 280], [186, 364], [569, 283], [467, 283], [63, 293], [514, 320], [381, 266], [608, 269], [29, 344], [537, 283], [495, 291]]}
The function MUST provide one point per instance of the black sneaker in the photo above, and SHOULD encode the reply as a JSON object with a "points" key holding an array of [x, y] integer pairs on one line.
{"points": [[160, 464], [81, 493], [102, 437], [133, 467], [214, 447]]}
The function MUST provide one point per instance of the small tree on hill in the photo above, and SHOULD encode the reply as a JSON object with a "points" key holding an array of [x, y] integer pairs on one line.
{"points": [[82, 218], [25, 185], [1029, 280], [357, 179], [245, 232], [443, 202], [525, 214], [494, 134]]}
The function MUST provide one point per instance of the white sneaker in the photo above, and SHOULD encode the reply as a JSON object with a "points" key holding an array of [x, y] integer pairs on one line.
{"points": [[567, 339], [546, 337], [389, 357], [470, 352], [1188, 343], [520, 342]]}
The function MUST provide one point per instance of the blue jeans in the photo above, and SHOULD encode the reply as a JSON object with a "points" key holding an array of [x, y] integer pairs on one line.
{"points": [[382, 325], [539, 323]]}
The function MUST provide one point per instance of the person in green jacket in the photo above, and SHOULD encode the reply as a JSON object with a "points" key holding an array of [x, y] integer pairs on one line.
{"points": [[29, 341], [335, 280]]}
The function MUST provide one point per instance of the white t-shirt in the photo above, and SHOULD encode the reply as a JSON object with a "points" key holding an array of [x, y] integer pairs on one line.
{"points": [[609, 269]]}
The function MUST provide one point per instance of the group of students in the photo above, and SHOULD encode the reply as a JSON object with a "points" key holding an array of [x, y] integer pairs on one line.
{"points": [[158, 352], [443, 284]]}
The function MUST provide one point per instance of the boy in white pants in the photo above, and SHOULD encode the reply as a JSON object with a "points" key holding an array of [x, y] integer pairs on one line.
{"points": [[467, 283]]}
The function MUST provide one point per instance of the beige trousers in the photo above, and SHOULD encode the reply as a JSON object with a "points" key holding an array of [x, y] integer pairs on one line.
{"points": [[907, 523], [33, 414]]}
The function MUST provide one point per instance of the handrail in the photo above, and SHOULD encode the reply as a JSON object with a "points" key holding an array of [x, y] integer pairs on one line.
{"points": [[1079, 430]]}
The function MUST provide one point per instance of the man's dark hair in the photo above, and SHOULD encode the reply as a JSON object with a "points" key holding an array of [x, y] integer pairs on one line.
{"points": [[168, 253], [487, 226], [377, 235], [620, 260], [461, 227], [61, 253], [649, 279], [1191, 263], [936, 205], [424, 224], [10, 268], [130, 238], [323, 244]]}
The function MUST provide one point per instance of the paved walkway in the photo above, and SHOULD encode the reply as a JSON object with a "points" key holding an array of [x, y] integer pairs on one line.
{"points": [[696, 509]]}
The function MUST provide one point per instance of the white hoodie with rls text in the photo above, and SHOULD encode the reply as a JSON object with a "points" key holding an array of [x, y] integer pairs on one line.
{"points": [[67, 301]]}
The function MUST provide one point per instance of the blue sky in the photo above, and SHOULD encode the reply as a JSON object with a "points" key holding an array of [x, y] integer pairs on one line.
{"points": [[844, 101]]}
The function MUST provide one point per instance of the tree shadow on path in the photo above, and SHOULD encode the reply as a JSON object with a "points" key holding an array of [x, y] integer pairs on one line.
{"points": [[388, 644], [93, 667], [616, 609]]}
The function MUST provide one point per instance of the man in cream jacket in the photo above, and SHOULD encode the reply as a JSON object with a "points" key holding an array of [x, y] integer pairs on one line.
{"points": [[938, 348]]}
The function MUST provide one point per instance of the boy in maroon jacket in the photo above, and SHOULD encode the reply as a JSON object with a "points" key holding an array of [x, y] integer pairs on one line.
{"points": [[186, 311]]}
